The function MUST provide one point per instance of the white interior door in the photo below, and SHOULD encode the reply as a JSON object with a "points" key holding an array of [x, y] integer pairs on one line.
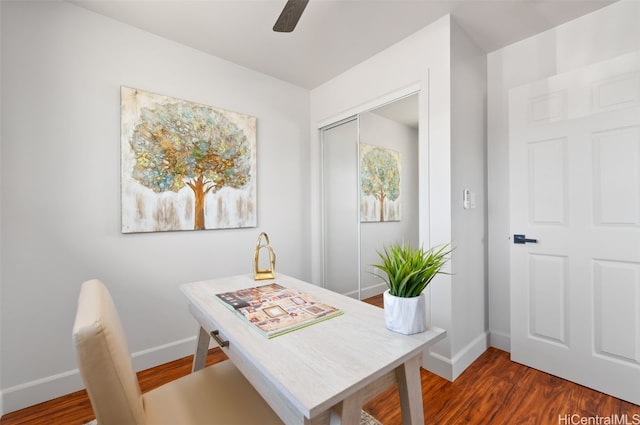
{"points": [[575, 188]]}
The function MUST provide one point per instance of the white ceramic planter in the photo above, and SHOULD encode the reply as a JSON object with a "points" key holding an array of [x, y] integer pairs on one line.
{"points": [[404, 315]]}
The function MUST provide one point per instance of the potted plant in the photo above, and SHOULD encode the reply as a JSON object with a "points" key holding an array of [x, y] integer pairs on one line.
{"points": [[407, 272]]}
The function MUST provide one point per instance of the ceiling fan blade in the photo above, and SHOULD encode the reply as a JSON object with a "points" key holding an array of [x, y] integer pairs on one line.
{"points": [[290, 15]]}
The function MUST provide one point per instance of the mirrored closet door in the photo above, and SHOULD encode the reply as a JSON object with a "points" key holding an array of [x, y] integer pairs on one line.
{"points": [[370, 193], [341, 250]]}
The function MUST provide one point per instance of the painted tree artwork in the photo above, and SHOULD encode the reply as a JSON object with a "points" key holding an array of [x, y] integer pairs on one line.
{"points": [[379, 184], [185, 166]]}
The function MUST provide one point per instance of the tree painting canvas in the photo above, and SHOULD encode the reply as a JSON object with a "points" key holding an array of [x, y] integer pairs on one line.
{"points": [[379, 184], [185, 166]]}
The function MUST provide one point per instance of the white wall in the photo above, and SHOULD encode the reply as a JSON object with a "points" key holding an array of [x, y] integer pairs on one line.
{"points": [[600, 35], [425, 60], [399, 70], [62, 68], [468, 161]]}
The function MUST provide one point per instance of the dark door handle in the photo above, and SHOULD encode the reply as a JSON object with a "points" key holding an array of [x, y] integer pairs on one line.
{"points": [[522, 239]]}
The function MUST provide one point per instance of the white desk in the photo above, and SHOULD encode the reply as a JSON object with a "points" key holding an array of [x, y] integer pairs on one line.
{"points": [[329, 368]]}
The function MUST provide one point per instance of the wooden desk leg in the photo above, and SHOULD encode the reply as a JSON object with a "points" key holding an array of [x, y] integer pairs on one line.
{"points": [[202, 349], [410, 388], [347, 412], [323, 419], [351, 408]]}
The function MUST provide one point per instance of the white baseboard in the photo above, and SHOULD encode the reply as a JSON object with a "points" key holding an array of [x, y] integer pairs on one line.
{"points": [[163, 353], [39, 390], [367, 292], [450, 369], [500, 340], [373, 290], [438, 364], [469, 354]]}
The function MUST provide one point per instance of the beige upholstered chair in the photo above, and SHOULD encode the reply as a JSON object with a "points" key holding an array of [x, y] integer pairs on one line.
{"points": [[218, 394]]}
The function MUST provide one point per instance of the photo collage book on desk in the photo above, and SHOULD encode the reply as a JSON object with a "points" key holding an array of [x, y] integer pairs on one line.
{"points": [[275, 310]]}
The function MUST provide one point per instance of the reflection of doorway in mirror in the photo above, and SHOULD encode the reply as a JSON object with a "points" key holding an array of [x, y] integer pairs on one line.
{"points": [[394, 127], [350, 240], [379, 184]]}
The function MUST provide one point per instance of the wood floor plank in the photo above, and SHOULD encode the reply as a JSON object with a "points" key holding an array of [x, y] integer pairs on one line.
{"points": [[493, 390]]}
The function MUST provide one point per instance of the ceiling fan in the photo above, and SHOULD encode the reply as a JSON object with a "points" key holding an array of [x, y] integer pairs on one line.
{"points": [[290, 15]]}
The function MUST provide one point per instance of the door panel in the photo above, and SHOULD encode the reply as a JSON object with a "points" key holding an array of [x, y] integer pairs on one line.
{"points": [[341, 271], [548, 298], [616, 322], [548, 177], [575, 188], [616, 177]]}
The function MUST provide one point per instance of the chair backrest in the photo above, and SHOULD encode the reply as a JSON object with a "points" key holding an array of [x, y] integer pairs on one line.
{"points": [[104, 359]]}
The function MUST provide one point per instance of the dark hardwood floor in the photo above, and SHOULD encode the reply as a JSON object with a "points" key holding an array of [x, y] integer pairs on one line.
{"points": [[493, 390]]}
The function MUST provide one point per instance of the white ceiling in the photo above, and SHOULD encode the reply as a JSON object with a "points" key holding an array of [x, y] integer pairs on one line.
{"points": [[332, 35]]}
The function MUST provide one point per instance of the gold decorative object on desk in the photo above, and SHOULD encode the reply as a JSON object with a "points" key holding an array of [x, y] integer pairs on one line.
{"points": [[258, 273]]}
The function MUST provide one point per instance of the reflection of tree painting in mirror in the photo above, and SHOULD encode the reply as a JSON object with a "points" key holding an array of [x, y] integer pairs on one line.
{"points": [[185, 166], [379, 184]]}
